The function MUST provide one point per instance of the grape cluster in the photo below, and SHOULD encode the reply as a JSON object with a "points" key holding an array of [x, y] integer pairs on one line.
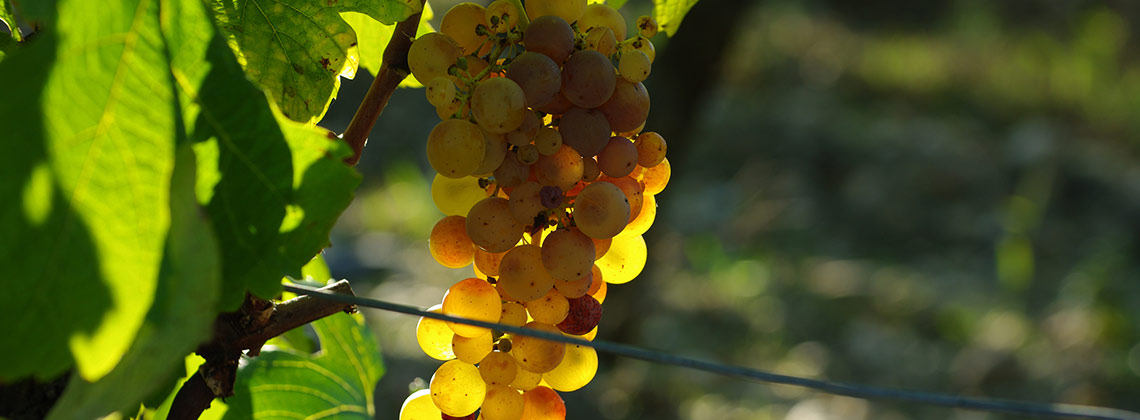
{"points": [[547, 180]]}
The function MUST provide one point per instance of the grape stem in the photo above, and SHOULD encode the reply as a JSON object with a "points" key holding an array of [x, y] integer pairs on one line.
{"points": [[393, 70]]}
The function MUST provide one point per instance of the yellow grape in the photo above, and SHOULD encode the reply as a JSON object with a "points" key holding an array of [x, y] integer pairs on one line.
{"points": [[431, 55], [599, 286], [491, 226], [525, 202], [449, 244], [600, 247], [455, 196], [642, 44], [575, 288], [525, 380], [495, 150], [498, 105], [633, 191], [511, 173], [498, 368], [590, 170], [535, 354], [578, 367], [601, 15], [548, 309], [548, 141], [655, 178], [434, 336], [561, 169], [646, 26], [513, 314], [457, 389], [644, 219], [524, 134], [634, 66], [601, 210], [521, 274], [440, 91], [567, 255], [455, 148], [419, 406], [543, 403], [568, 10], [602, 39], [488, 262], [472, 349], [459, 23], [625, 259], [472, 299], [501, 16], [502, 403], [618, 158], [651, 149], [527, 154]]}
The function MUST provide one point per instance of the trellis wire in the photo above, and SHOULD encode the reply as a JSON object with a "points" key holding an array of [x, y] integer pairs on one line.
{"points": [[837, 388]]}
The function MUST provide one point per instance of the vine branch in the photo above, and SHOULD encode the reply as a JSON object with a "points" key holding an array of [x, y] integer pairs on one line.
{"points": [[247, 329], [393, 70]]}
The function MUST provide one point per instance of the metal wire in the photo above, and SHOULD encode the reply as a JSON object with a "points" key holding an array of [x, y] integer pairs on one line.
{"points": [[838, 388]]}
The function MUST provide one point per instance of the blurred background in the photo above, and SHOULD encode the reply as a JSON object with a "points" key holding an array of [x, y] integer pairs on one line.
{"points": [[939, 195]]}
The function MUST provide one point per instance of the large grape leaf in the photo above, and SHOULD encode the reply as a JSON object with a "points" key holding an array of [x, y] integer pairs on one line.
{"points": [[372, 37], [336, 382], [296, 49], [90, 125], [669, 13], [9, 19]]}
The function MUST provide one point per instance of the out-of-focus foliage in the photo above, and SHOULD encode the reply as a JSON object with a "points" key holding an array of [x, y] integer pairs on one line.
{"points": [[940, 196]]}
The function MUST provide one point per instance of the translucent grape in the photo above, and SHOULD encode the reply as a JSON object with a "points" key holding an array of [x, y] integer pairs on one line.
{"points": [[419, 406], [657, 177], [625, 259], [551, 308], [495, 150], [431, 55], [513, 314], [502, 403], [502, 16], [601, 15], [651, 149], [459, 23], [562, 169], [472, 349], [588, 79], [602, 39], [640, 224], [568, 10], [457, 389], [498, 105], [440, 91], [618, 158], [434, 336], [498, 368], [511, 173], [491, 226], [455, 148], [567, 255], [634, 66], [551, 36], [646, 26], [449, 110], [525, 202], [628, 107], [599, 287], [577, 369], [525, 380], [455, 196], [574, 288], [472, 299], [590, 170], [600, 247], [521, 273], [537, 75], [633, 191], [449, 244], [586, 130], [488, 262], [543, 403], [548, 141], [601, 210], [535, 354], [642, 44]]}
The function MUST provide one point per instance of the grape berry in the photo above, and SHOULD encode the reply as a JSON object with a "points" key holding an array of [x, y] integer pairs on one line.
{"points": [[547, 181]]}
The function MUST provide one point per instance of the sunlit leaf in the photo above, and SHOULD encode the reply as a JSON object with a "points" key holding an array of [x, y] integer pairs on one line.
{"points": [[9, 19], [372, 37], [669, 13]]}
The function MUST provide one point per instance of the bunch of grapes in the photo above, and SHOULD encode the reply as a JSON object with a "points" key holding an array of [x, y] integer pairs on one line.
{"points": [[547, 182]]}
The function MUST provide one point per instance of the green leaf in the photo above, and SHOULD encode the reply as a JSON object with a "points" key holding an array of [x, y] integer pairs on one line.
{"points": [[93, 127], [336, 382], [669, 13], [9, 19], [297, 49], [372, 37]]}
